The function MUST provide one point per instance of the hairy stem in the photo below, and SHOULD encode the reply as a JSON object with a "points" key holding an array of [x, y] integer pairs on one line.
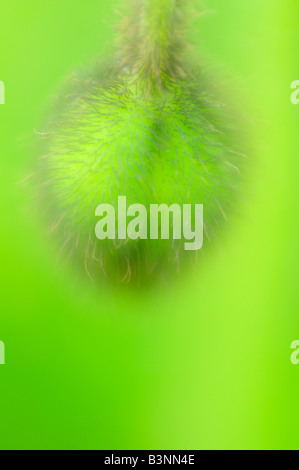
{"points": [[153, 42]]}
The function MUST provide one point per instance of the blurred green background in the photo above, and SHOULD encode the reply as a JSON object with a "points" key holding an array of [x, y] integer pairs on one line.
{"points": [[204, 363]]}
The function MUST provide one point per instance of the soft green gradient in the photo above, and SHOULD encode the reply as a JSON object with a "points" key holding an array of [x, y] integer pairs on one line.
{"points": [[205, 364]]}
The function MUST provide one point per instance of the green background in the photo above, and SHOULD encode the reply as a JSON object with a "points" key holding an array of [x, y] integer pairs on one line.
{"points": [[204, 363]]}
